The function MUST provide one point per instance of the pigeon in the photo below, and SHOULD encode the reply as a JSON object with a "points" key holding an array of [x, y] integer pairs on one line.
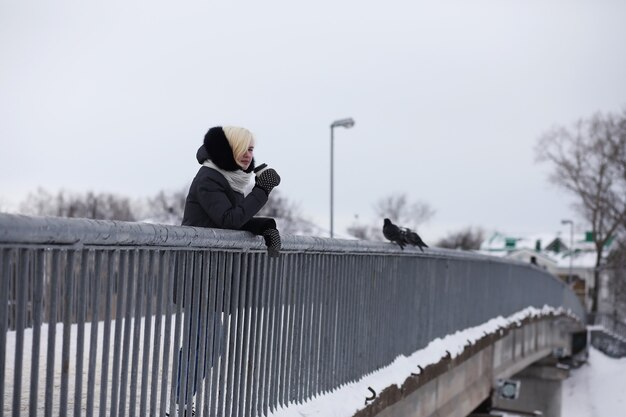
{"points": [[413, 238], [393, 233]]}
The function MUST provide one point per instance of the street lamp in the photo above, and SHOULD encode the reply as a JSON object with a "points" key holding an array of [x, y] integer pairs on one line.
{"points": [[571, 247], [347, 123]]}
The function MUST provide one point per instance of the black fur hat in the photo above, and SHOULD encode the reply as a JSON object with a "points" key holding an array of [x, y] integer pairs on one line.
{"points": [[219, 151]]}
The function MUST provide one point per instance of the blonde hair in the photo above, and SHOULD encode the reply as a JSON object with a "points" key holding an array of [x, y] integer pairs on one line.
{"points": [[239, 139]]}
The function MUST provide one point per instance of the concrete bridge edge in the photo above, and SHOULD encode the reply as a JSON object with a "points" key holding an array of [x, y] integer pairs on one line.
{"points": [[454, 387]]}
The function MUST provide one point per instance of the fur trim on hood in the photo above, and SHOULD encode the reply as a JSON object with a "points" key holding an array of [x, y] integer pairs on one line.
{"points": [[218, 150]]}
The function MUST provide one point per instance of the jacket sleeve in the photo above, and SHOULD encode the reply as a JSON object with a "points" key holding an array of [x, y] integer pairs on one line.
{"points": [[258, 225], [213, 199]]}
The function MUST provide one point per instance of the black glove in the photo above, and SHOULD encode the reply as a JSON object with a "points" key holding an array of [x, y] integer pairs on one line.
{"points": [[266, 178], [272, 241]]}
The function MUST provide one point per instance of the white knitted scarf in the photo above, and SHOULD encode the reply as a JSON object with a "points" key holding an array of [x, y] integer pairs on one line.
{"points": [[238, 180]]}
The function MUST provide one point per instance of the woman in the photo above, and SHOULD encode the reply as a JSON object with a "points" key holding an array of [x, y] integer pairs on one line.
{"points": [[226, 193], [223, 194]]}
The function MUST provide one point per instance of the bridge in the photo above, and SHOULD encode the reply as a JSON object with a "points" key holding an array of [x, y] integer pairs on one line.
{"points": [[107, 318]]}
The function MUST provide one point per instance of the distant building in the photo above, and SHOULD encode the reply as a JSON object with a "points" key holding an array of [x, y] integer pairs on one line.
{"points": [[553, 253]]}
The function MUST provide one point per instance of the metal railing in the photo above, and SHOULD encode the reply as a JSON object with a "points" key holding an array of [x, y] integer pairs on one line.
{"points": [[609, 322], [113, 319]]}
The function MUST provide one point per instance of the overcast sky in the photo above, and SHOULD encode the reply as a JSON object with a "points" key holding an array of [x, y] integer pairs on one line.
{"points": [[449, 98]]}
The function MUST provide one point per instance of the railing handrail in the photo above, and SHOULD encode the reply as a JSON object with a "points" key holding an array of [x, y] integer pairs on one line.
{"points": [[33, 230]]}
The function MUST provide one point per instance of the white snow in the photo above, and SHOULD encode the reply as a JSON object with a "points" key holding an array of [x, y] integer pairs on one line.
{"points": [[596, 389]]}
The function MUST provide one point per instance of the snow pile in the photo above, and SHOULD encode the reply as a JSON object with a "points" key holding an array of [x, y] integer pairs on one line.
{"points": [[349, 398]]}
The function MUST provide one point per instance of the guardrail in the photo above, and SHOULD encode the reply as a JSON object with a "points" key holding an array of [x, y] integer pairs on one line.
{"points": [[609, 322], [115, 318]]}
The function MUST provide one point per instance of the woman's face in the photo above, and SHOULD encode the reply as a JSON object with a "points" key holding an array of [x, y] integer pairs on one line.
{"points": [[245, 159]]}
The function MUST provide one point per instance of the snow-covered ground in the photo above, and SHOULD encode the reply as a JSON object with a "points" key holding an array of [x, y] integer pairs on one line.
{"points": [[596, 389]]}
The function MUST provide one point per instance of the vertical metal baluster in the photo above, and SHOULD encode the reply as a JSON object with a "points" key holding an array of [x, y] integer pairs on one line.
{"points": [[95, 279], [222, 323], [38, 277], [274, 337], [192, 309], [277, 338], [327, 301], [81, 305], [67, 328], [368, 336], [52, 318], [261, 274], [216, 297], [318, 281], [310, 333], [314, 305], [234, 339], [352, 286], [268, 273], [139, 274], [286, 308], [111, 280], [5, 261], [167, 277], [177, 270], [176, 283], [121, 305], [332, 293], [255, 307], [131, 277], [296, 369], [247, 307], [185, 278], [201, 275], [210, 279], [386, 284], [240, 310], [305, 327], [159, 276], [147, 317], [23, 270], [331, 299], [343, 346]]}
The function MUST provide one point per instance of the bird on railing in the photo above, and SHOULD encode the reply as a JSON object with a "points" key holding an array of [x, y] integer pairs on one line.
{"points": [[402, 236], [393, 233], [413, 238]]}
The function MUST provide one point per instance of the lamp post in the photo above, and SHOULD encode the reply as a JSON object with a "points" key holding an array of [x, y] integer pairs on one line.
{"points": [[571, 247], [347, 123]]}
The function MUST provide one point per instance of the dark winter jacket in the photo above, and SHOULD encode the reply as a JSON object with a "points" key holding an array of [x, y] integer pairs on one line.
{"points": [[211, 202]]}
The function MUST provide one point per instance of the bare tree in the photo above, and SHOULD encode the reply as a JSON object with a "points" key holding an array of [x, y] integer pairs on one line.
{"points": [[364, 231], [399, 209], [102, 206], [165, 207], [589, 161], [466, 239], [288, 215]]}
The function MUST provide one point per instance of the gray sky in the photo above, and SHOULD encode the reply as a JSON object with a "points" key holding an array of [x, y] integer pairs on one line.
{"points": [[449, 98]]}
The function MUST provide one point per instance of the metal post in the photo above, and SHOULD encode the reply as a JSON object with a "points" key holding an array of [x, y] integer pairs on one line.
{"points": [[332, 141], [347, 123]]}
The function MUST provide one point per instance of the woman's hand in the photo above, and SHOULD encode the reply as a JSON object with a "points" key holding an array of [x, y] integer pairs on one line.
{"points": [[266, 178]]}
